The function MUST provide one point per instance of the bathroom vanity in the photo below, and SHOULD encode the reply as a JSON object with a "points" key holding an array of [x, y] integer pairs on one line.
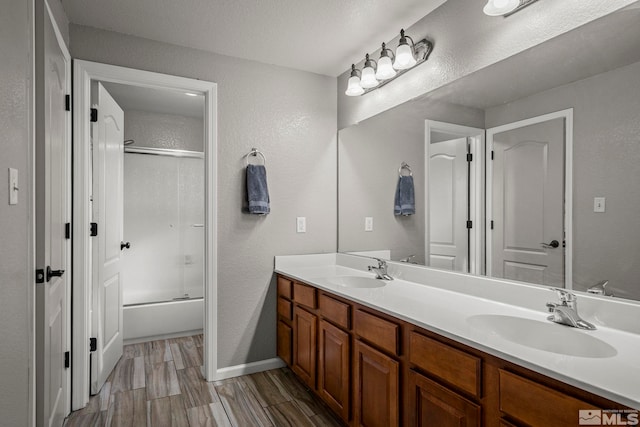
{"points": [[401, 353]]}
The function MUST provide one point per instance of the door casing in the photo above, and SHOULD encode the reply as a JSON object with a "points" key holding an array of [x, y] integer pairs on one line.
{"points": [[567, 115], [84, 72]]}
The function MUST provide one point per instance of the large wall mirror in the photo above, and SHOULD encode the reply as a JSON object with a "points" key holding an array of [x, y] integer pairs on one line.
{"points": [[527, 170]]}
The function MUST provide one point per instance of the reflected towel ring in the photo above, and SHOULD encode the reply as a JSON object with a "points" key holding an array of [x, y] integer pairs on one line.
{"points": [[254, 152], [404, 165]]}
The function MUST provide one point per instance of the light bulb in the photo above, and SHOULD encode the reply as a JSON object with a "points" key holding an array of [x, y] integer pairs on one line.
{"points": [[353, 87], [368, 78], [500, 7], [404, 57], [385, 70]]}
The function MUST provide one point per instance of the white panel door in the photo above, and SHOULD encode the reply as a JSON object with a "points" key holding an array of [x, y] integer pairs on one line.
{"points": [[528, 204], [448, 204], [108, 155], [53, 189]]}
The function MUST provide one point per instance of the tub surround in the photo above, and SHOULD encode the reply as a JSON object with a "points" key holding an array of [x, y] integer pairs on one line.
{"points": [[441, 302]]}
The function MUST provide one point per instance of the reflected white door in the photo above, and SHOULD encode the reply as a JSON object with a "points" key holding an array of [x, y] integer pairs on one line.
{"points": [[108, 154], [53, 189], [528, 203], [448, 205]]}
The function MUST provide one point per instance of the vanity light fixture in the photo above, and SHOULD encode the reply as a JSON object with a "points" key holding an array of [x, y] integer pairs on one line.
{"points": [[505, 7], [389, 66]]}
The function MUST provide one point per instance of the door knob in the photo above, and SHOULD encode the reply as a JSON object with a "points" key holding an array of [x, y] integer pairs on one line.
{"points": [[553, 244], [125, 245], [53, 273]]}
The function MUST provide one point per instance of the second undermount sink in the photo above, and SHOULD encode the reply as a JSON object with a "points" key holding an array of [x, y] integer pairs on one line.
{"points": [[542, 335], [357, 282]]}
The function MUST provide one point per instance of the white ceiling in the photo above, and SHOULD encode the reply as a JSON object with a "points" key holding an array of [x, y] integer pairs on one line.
{"points": [[160, 101], [320, 36]]}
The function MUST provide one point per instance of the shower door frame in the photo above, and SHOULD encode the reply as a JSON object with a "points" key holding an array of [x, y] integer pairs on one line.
{"points": [[84, 73]]}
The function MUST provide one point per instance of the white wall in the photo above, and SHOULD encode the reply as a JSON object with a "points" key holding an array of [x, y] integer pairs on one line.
{"points": [[606, 157], [288, 115], [467, 40], [16, 222]]}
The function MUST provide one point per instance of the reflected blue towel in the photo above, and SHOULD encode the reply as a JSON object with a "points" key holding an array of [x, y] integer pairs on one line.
{"points": [[405, 202], [257, 191]]}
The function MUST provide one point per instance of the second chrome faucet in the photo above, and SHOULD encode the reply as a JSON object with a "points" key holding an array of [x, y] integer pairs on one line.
{"points": [[566, 311], [380, 270]]}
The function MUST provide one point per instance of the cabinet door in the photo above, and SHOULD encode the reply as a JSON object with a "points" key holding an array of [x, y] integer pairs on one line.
{"points": [[431, 404], [333, 368], [304, 346], [284, 342], [376, 389]]}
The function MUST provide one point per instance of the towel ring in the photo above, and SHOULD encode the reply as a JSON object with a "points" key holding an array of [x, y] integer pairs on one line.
{"points": [[404, 165], [254, 152]]}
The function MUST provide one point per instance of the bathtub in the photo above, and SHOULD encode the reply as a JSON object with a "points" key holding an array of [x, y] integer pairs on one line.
{"points": [[147, 322]]}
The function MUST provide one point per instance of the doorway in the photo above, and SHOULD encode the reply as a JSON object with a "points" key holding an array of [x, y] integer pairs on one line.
{"points": [[529, 200], [86, 78]]}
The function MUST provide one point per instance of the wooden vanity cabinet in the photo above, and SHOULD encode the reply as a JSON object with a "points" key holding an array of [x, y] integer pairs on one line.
{"points": [[373, 369]]}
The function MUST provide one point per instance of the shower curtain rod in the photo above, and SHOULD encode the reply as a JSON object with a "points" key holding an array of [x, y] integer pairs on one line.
{"points": [[164, 152]]}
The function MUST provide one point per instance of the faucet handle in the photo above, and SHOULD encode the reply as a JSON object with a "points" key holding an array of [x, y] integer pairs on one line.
{"points": [[381, 263], [565, 297]]}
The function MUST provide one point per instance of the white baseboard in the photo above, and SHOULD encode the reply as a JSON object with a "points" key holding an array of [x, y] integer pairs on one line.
{"points": [[249, 368]]}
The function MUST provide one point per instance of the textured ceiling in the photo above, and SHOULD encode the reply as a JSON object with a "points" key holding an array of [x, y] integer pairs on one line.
{"points": [[320, 36]]}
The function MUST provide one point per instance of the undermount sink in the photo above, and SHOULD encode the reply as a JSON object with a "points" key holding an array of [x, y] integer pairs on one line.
{"points": [[357, 282], [546, 336]]}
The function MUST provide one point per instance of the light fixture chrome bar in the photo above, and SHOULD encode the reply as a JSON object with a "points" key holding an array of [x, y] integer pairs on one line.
{"points": [[423, 49], [522, 5]]}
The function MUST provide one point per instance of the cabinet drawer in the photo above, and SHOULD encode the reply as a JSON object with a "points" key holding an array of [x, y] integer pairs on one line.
{"points": [[537, 405], [305, 295], [456, 367], [285, 287], [285, 308], [337, 312], [378, 331]]}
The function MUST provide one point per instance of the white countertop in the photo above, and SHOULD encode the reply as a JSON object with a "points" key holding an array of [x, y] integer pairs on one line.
{"points": [[446, 312]]}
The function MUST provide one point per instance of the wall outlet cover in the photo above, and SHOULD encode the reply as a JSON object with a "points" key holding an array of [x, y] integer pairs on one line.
{"points": [[301, 224]]}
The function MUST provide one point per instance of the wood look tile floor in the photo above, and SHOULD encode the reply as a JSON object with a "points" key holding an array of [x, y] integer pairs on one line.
{"points": [[159, 384]]}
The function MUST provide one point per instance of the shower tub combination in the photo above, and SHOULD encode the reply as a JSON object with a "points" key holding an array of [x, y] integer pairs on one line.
{"points": [[164, 221]]}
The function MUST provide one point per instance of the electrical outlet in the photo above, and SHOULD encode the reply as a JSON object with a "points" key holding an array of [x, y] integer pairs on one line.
{"points": [[301, 224], [599, 204], [368, 223]]}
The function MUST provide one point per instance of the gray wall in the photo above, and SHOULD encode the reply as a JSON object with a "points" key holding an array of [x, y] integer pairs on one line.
{"points": [[16, 222], [606, 163], [169, 131], [369, 155], [461, 49], [288, 115]]}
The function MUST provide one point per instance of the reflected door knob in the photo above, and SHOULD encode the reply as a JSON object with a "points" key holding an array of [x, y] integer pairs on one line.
{"points": [[553, 244], [125, 245]]}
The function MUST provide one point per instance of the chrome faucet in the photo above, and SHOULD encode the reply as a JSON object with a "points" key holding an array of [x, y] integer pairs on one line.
{"points": [[409, 259], [566, 312], [600, 288], [380, 270]]}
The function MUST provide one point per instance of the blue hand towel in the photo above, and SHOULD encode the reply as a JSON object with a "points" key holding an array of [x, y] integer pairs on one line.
{"points": [[257, 191], [405, 202]]}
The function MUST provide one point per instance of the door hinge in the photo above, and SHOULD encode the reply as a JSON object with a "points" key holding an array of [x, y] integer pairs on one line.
{"points": [[67, 102], [40, 275], [469, 157], [93, 344], [67, 359], [94, 229], [67, 230], [491, 154], [469, 224], [492, 224], [94, 115]]}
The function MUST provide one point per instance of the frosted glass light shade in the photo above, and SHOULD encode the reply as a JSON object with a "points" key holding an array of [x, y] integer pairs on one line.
{"points": [[404, 57], [368, 79], [353, 87], [385, 69], [500, 7]]}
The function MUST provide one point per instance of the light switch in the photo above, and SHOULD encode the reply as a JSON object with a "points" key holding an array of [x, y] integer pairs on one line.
{"points": [[301, 224], [598, 204], [13, 186], [368, 223]]}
